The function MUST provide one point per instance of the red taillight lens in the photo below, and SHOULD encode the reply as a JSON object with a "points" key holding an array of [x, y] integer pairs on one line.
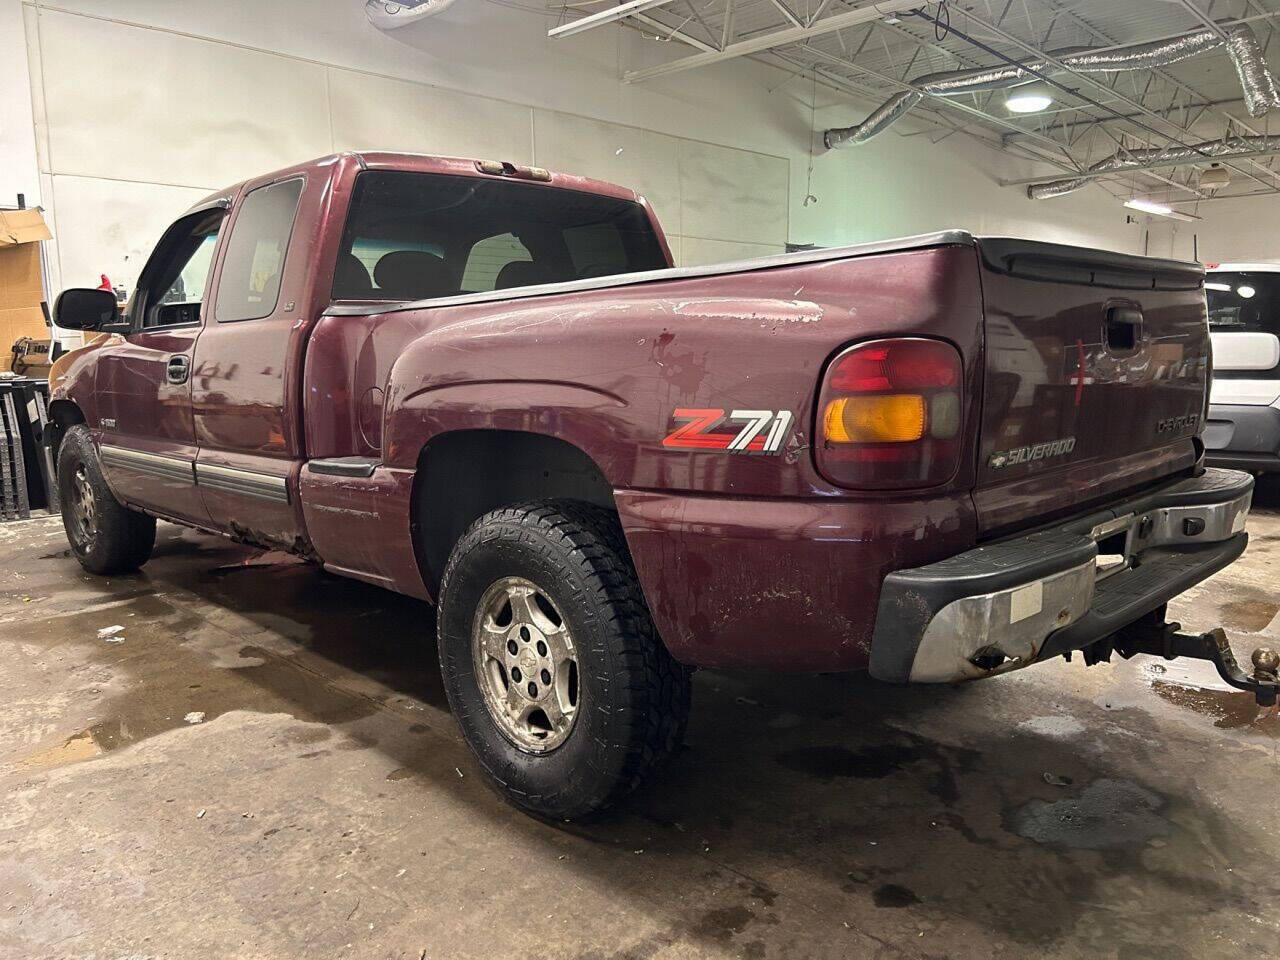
{"points": [[889, 415]]}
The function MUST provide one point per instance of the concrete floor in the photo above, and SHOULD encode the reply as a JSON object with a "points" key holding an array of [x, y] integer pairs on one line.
{"points": [[326, 807]]}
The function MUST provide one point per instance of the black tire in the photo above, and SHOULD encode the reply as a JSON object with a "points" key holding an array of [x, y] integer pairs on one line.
{"points": [[633, 697], [107, 537]]}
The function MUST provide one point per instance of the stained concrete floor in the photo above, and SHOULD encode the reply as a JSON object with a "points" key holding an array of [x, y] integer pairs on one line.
{"points": [[325, 806]]}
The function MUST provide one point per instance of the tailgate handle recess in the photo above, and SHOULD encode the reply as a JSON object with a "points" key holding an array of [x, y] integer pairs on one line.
{"points": [[1124, 328]]}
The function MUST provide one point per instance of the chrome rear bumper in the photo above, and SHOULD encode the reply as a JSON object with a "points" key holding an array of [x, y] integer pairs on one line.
{"points": [[1012, 602]]}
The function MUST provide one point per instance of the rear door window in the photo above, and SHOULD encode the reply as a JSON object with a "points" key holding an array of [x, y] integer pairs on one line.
{"points": [[1243, 302], [421, 236], [250, 282]]}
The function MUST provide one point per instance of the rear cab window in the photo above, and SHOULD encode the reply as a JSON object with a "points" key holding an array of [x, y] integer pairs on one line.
{"points": [[422, 236]]}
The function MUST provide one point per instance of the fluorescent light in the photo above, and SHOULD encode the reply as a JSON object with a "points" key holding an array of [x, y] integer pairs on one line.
{"points": [[1220, 287], [1149, 206], [1159, 209], [1030, 101]]}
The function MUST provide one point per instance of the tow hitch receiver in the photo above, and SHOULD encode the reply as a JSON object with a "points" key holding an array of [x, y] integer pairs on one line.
{"points": [[1164, 640]]}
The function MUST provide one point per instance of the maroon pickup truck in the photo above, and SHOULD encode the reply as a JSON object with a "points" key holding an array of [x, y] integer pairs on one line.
{"points": [[484, 385]]}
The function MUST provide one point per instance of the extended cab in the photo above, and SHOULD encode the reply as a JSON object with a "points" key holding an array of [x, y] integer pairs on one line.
{"points": [[485, 386]]}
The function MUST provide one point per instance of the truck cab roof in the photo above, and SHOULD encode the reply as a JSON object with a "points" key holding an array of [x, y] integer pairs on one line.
{"points": [[427, 163]]}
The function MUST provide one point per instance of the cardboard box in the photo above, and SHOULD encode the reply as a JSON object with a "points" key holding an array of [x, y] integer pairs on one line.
{"points": [[21, 279]]}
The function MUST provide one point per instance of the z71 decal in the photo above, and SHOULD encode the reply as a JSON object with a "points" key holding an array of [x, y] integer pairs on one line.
{"points": [[762, 431]]}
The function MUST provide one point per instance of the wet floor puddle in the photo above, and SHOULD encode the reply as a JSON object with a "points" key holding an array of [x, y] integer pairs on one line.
{"points": [[1228, 709], [82, 746], [1249, 615]]}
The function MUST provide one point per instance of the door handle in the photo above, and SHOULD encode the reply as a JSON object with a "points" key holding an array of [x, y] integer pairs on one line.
{"points": [[179, 368], [1123, 328]]}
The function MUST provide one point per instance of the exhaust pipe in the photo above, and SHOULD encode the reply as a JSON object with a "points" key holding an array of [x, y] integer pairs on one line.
{"points": [[1256, 80]]}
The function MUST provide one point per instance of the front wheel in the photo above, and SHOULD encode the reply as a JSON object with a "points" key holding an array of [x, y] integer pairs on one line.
{"points": [[105, 535], [552, 665]]}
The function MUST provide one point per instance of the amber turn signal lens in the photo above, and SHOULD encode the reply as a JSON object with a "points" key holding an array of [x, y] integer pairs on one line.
{"points": [[884, 418]]}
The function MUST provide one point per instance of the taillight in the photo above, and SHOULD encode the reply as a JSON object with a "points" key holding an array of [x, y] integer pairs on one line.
{"points": [[889, 415]]}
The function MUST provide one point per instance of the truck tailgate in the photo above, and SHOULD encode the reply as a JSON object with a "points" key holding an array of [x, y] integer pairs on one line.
{"points": [[1095, 377]]}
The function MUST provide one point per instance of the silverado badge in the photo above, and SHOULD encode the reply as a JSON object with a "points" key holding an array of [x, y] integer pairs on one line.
{"points": [[1038, 451]]}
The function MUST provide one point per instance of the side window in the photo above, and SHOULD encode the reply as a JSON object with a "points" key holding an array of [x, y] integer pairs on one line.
{"points": [[188, 286], [488, 258], [172, 284], [250, 282]]}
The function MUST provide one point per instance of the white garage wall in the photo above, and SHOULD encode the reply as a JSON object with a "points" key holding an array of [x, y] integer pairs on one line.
{"points": [[18, 169], [1245, 229], [142, 106]]}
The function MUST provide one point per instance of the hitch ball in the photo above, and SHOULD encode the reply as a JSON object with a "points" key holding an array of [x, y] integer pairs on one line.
{"points": [[1266, 664]]}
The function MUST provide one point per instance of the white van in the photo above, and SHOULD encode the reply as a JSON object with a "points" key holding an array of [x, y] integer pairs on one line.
{"points": [[1243, 430]]}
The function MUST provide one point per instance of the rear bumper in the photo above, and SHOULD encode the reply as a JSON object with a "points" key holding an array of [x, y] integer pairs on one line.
{"points": [[1010, 603], [1243, 437]]}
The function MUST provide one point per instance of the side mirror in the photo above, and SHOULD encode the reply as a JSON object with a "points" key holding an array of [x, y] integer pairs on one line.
{"points": [[81, 308]]}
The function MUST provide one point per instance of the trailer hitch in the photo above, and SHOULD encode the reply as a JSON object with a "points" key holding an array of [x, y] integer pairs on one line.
{"points": [[1165, 640]]}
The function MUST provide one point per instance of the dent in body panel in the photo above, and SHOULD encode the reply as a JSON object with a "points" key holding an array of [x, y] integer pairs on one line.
{"points": [[383, 552], [73, 376], [685, 342], [779, 584]]}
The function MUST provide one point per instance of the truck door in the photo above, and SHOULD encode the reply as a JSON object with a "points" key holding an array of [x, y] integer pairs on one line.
{"points": [[247, 365], [148, 446]]}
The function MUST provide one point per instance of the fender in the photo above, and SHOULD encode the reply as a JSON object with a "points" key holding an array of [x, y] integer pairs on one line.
{"points": [[74, 375], [589, 418]]}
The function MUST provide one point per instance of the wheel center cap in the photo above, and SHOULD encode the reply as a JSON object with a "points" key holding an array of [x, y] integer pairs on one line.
{"points": [[528, 662]]}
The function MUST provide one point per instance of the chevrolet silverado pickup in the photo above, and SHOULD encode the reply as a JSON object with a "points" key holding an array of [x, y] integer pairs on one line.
{"points": [[486, 386]]}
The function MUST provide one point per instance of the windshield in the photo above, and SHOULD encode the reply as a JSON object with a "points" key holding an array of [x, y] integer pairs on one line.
{"points": [[419, 236], [1244, 302]]}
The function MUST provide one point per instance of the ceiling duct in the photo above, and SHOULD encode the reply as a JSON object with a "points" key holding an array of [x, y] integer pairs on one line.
{"points": [[1256, 81], [389, 14], [1161, 156]]}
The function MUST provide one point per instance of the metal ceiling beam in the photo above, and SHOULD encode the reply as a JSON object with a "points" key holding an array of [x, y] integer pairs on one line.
{"points": [[768, 41], [1019, 131], [934, 121], [1039, 54], [956, 104], [611, 15], [1102, 121], [672, 33], [943, 101], [1058, 9], [1156, 165]]}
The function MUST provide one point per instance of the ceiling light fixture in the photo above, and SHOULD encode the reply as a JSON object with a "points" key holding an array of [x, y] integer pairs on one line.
{"points": [[1158, 209], [1028, 98]]}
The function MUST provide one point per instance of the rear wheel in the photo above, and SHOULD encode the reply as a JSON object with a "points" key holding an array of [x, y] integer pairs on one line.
{"points": [[105, 535], [552, 665]]}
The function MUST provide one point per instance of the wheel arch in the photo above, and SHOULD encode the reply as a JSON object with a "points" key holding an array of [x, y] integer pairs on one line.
{"points": [[63, 415], [463, 474]]}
